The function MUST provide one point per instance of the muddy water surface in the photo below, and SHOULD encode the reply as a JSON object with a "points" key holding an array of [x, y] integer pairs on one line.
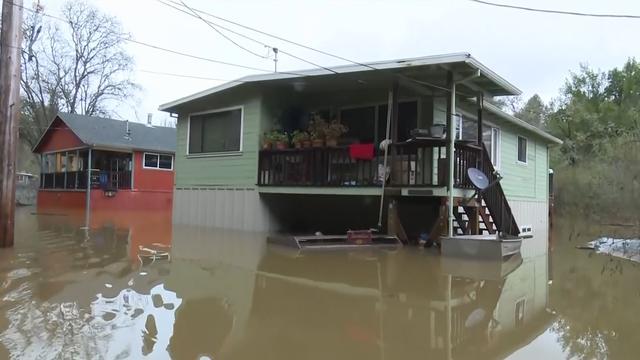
{"points": [[78, 289]]}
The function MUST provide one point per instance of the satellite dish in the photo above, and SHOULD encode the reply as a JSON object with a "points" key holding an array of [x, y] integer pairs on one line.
{"points": [[478, 178]]}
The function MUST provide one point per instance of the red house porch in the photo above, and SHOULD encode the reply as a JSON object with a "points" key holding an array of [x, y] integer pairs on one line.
{"points": [[105, 164]]}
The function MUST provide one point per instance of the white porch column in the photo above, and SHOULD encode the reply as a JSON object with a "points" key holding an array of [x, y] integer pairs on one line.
{"points": [[452, 139]]}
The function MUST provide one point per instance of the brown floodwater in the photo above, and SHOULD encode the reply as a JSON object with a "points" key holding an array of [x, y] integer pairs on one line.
{"points": [[76, 288]]}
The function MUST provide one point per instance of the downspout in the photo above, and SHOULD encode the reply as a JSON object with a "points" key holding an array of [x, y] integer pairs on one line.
{"points": [[452, 142]]}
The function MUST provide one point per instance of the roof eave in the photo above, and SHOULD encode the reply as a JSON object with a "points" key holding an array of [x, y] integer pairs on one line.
{"points": [[168, 107], [129, 148], [57, 116], [502, 82], [463, 57]]}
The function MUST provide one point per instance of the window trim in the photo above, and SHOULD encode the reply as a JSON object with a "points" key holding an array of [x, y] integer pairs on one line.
{"points": [[526, 150], [144, 166], [217, 153]]}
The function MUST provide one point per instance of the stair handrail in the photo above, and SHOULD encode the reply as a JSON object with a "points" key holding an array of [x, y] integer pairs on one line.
{"points": [[498, 205]]}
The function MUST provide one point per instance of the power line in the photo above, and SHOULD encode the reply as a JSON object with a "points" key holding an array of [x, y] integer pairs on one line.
{"points": [[221, 33], [279, 38], [186, 76], [176, 52], [215, 25], [574, 13], [289, 41]]}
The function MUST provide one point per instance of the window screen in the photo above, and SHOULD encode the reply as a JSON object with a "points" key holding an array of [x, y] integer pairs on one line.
{"points": [[151, 160], [522, 149], [166, 162], [215, 132]]}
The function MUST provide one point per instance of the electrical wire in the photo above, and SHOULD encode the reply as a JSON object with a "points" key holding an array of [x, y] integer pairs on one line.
{"points": [[215, 26], [176, 52], [560, 12], [280, 38], [221, 33], [186, 76], [165, 2]]}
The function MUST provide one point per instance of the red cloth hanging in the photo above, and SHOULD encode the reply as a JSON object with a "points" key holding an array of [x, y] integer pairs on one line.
{"points": [[361, 151]]}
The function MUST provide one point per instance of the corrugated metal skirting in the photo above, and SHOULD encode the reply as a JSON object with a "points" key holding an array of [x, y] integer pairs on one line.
{"points": [[228, 208], [534, 214]]}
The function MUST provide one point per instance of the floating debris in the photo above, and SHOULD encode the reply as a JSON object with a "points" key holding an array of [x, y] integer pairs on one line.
{"points": [[623, 248]]}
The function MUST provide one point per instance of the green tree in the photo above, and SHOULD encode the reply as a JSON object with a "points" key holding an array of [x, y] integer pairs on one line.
{"points": [[534, 111], [594, 108]]}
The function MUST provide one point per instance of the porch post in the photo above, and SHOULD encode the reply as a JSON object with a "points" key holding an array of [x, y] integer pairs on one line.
{"points": [[132, 164], [394, 111], [88, 196], [480, 101], [451, 152]]}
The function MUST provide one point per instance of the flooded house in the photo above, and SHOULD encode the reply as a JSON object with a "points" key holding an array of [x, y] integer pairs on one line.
{"points": [[105, 164], [314, 150]]}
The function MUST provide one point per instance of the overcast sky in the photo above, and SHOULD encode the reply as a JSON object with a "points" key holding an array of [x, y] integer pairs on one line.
{"points": [[533, 51]]}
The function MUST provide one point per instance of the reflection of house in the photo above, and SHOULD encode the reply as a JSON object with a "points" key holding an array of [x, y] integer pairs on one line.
{"points": [[225, 176], [358, 305], [125, 165], [26, 188], [25, 178]]}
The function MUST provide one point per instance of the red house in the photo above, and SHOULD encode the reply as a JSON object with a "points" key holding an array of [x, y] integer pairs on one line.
{"points": [[106, 164]]}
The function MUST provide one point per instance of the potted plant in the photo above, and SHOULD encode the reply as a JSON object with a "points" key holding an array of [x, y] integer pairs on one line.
{"points": [[276, 138], [317, 130], [267, 141], [333, 132], [299, 138], [281, 139]]}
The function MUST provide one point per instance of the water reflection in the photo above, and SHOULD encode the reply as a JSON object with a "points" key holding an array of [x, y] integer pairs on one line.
{"points": [[595, 295], [75, 292]]}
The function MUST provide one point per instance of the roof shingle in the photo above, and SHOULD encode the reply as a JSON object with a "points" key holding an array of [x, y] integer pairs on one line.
{"points": [[97, 131]]}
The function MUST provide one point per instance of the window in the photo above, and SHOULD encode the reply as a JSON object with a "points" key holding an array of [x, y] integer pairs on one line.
{"points": [[215, 132], [151, 160], [158, 161], [495, 147], [522, 150], [361, 123], [363, 128]]}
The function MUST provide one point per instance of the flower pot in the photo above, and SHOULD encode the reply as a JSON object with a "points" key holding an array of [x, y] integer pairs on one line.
{"points": [[281, 145], [306, 144], [437, 130], [317, 143], [267, 145], [332, 142], [297, 145]]}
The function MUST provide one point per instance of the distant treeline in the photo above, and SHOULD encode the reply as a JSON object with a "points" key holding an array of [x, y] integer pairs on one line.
{"points": [[597, 116]]}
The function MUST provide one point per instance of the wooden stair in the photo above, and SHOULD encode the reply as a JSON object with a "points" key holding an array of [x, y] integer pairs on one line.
{"points": [[496, 201], [464, 216], [493, 209]]}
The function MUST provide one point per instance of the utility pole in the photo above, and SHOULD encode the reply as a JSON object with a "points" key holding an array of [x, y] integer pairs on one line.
{"points": [[10, 51]]}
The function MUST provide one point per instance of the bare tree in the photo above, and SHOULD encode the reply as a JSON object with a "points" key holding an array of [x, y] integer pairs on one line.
{"points": [[77, 66]]}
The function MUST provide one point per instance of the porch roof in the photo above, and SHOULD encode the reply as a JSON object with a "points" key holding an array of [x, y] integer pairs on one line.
{"points": [[110, 133], [463, 63]]}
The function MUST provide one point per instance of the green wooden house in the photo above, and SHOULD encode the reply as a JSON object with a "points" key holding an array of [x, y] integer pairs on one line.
{"points": [[429, 107]]}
